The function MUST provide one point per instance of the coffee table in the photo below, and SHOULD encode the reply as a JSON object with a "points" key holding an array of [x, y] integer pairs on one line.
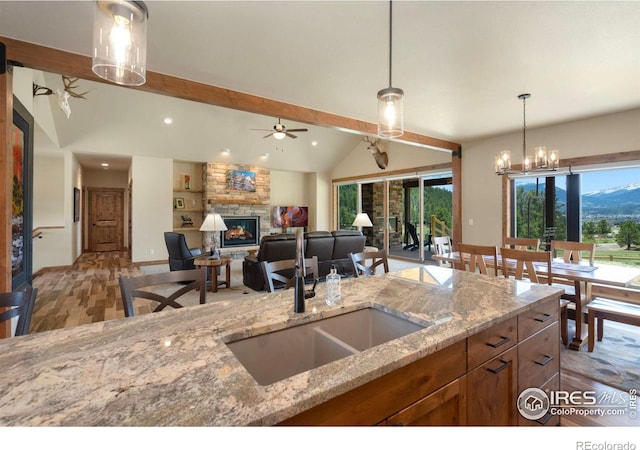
{"points": [[211, 265]]}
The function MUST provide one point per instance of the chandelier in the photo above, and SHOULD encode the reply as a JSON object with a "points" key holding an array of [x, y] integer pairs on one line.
{"points": [[542, 161]]}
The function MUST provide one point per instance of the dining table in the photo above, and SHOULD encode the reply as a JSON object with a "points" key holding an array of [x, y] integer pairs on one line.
{"points": [[583, 277]]}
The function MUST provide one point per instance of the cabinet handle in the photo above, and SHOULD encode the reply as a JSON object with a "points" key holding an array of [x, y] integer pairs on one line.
{"points": [[545, 318], [500, 368], [547, 359], [503, 340]]}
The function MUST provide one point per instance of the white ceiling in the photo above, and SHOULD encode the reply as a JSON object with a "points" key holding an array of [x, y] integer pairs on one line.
{"points": [[461, 65]]}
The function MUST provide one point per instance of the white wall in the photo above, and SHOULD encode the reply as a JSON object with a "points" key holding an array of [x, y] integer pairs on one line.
{"points": [[482, 189], [289, 188], [152, 202], [401, 156]]}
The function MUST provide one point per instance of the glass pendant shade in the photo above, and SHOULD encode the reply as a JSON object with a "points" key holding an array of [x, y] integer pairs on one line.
{"points": [[120, 41], [503, 161], [390, 112]]}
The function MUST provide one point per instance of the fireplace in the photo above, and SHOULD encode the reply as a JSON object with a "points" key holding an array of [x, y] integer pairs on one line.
{"points": [[241, 231]]}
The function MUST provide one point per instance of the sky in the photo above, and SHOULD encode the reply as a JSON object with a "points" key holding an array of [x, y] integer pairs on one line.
{"points": [[599, 180]]}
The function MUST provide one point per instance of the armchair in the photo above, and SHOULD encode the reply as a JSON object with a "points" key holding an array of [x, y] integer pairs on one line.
{"points": [[180, 255]]}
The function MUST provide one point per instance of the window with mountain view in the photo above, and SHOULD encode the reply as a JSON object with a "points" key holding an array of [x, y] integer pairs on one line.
{"points": [[609, 212]]}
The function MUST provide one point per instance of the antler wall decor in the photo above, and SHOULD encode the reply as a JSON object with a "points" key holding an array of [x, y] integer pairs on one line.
{"points": [[70, 84], [375, 147]]}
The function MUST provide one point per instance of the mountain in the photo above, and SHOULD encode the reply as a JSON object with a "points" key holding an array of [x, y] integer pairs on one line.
{"points": [[617, 202]]}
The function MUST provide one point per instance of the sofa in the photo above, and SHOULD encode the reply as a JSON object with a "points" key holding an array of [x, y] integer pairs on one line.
{"points": [[331, 247]]}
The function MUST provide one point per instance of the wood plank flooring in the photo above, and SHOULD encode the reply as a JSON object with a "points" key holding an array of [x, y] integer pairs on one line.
{"points": [[89, 292]]}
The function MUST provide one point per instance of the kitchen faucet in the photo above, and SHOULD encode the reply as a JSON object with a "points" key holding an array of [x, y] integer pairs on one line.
{"points": [[299, 294]]}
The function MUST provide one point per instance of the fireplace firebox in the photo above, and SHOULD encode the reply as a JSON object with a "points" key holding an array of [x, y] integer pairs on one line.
{"points": [[241, 231]]}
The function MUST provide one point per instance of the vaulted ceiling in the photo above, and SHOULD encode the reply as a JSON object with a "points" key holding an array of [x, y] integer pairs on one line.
{"points": [[461, 65]]}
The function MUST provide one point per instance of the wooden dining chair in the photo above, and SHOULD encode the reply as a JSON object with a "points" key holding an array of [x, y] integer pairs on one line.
{"points": [[21, 303], [281, 274], [516, 261], [366, 263], [575, 252], [442, 245], [522, 243], [473, 257], [140, 287]]}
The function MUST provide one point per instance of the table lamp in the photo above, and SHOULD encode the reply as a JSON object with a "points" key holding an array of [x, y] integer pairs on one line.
{"points": [[362, 220], [213, 223]]}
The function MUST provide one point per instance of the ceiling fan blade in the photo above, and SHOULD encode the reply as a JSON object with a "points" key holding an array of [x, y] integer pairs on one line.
{"points": [[292, 136], [298, 130], [268, 135], [259, 129]]}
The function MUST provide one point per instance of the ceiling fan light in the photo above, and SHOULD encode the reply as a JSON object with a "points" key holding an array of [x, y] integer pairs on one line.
{"points": [[120, 41], [279, 135], [390, 112]]}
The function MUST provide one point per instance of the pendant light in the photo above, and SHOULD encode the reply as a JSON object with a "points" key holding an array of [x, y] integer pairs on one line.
{"points": [[390, 107], [120, 41], [543, 160]]}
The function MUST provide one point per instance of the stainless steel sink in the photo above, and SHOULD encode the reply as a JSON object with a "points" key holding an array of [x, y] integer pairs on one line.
{"points": [[277, 355]]}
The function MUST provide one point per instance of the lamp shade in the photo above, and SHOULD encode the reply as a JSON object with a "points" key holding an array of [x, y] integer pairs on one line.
{"points": [[120, 41], [362, 220], [213, 222]]}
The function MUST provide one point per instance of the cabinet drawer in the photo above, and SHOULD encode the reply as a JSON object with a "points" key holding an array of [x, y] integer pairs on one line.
{"points": [[549, 420], [491, 391], [373, 402], [536, 319], [483, 346], [539, 358]]}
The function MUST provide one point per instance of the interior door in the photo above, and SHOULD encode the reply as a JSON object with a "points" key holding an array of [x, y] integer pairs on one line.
{"points": [[106, 212]]}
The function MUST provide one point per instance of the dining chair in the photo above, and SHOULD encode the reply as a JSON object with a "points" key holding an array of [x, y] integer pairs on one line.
{"points": [[522, 243], [281, 274], [525, 259], [442, 245], [366, 263], [472, 257], [21, 303], [148, 287], [575, 253]]}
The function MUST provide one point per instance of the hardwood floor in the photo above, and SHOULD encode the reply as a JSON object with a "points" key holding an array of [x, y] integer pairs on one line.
{"points": [[89, 292]]}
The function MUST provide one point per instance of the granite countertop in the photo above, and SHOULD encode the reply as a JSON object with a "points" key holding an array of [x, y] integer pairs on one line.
{"points": [[173, 368]]}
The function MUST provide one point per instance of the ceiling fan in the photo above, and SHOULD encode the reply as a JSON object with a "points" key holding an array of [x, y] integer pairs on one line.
{"points": [[280, 131]]}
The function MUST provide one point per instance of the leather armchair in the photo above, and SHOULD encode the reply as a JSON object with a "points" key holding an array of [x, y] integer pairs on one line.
{"points": [[180, 255]]}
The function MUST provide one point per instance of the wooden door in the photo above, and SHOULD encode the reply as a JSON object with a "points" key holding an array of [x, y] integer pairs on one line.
{"points": [[106, 215]]}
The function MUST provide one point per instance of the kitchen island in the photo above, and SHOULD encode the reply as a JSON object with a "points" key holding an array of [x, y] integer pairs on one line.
{"points": [[174, 368]]}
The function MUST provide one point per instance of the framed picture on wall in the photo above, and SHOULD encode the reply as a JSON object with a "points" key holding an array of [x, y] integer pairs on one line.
{"points": [[76, 205], [179, 203], [22, 203]]}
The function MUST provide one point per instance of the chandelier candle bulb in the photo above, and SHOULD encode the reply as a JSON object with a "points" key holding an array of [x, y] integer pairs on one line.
{"points": [[541, 157]]}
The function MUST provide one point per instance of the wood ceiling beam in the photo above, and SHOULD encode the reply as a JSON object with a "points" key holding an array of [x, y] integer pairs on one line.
{"points": [[71, 64]]}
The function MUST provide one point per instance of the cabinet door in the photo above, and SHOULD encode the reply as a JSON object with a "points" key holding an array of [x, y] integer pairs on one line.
{"points": [[446, 406], [491, 391]]}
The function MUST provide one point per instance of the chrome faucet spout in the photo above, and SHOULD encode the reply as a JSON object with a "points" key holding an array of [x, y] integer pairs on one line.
{"points": [[298, 299]]}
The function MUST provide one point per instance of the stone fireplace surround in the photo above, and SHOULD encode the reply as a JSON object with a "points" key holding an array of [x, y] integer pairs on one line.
{"points": [[219, 199]]}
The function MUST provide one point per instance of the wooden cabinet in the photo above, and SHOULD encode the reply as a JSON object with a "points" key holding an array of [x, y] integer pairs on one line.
{"points": [[492, 391], [473, 382], [380, 399]]}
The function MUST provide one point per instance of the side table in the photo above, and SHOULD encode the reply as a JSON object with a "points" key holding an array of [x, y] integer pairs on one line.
{"points": [[210, 266]]}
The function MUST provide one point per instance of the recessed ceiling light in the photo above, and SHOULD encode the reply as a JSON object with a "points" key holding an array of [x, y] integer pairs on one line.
{"points": [[314, 143], [105, 165], [226, 151], [168, 120], [265, 155]]}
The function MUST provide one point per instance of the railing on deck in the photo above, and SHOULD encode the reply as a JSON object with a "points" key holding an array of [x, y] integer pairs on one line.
{"points": [[439, 228]]}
